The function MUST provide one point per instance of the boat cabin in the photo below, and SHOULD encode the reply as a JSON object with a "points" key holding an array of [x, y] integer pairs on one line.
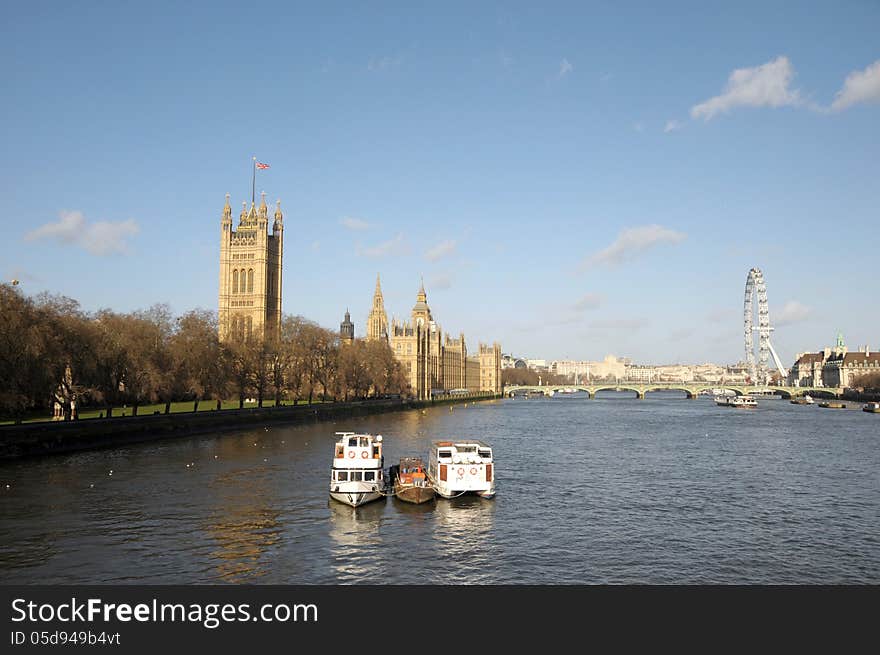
{"points": [[358, 450], [412, 471], [473, 457]]}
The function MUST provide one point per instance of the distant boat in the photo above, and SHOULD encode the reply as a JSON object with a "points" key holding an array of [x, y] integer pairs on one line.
{"points": [[831, 405], [739, 402], [874, 408], [806, 400]]}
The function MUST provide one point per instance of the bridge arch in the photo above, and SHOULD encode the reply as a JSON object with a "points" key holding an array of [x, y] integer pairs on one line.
{"points": [[618, 387], [688, 392]]}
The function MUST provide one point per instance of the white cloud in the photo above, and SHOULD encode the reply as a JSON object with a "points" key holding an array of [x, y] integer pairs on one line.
{"points": [[632, 241], [440, 282], [565, 68], [859, 86], [762, 86], [588, 301], [793, 312], [441, 250], [620, 324], [379, 64], [98, 238], [681, 334], [672, 125], [351, 223], [394, 247]]}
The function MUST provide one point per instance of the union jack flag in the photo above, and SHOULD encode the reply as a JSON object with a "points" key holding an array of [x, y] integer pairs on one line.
{"points": [[261, 165]]}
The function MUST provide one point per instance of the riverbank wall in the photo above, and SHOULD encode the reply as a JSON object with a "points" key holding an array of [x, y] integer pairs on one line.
{"points": [[37, 439]]}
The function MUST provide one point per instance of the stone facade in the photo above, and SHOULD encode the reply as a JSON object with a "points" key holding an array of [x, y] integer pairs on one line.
{"points": [[833, 367], [250, 274], [377, 322], [434, 362]]}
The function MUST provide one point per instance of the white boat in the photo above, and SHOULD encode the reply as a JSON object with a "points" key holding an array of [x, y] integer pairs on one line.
{"points": [[742, 402], [356, 476], [459, 467]]}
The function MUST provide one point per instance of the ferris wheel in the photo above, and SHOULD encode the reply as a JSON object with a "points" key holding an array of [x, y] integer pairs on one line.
{"points": [[756, 289]]}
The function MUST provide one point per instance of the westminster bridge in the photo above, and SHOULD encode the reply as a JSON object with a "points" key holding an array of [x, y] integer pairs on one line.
{"points": [[691, 390]]}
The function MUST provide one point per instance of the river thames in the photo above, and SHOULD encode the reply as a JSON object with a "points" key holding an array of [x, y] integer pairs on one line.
{"points": [[609, 490]]}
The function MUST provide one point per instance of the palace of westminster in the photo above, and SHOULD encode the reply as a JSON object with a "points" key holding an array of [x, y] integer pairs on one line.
{"points": [[250, 305]]}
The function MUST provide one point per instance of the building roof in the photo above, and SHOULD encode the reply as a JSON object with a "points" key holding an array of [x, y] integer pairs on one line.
{"points": [[810, 358], [861, 358]]}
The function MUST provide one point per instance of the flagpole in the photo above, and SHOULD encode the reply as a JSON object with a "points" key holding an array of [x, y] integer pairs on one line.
{"points": [[254, 183]]}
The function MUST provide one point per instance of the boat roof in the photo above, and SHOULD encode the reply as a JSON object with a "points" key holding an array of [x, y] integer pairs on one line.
{"points": [[345, 435], [460, 442]]}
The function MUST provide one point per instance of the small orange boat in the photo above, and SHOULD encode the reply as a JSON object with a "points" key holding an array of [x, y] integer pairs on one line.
{"points": [[411, 482]]}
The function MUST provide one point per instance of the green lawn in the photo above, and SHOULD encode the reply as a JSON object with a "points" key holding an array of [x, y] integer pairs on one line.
{"points": [[146, 410]]}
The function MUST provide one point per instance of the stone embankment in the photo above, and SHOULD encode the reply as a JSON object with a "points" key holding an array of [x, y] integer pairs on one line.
{"points": [[34, 439]]}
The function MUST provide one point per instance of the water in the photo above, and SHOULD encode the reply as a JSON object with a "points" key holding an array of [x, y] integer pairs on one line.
{"points": [[609, 490]]}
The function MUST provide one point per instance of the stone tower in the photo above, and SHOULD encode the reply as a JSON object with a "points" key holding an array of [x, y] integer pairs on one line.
{"points": [[377, 322], [346, 329], [250, 274]]}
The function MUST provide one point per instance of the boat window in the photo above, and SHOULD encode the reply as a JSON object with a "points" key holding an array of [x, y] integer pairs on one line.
{"points": [[467, 449], [342, 476], [445, 453], [369, 476], [355, 476], [486, 453], [353, 441], [365, 441]]}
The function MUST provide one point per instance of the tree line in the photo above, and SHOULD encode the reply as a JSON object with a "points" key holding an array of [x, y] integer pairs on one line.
{"points": [[52, 351]]}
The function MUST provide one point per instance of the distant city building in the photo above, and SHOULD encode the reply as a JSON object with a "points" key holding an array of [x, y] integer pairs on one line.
{"points": [[577, 371], [609, 368], [832, 367], [509, 361], [250, 274], [539, 365], [346, 329], [637, 373]]}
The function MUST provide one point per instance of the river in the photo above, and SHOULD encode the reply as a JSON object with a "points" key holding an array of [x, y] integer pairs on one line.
{"points": [[609, 490]]}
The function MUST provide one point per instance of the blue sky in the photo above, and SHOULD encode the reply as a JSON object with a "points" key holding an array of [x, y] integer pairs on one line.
{"points": [[571, 179]]}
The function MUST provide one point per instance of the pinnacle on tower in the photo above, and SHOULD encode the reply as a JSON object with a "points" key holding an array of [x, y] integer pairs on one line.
{"points": [[278, 215]]}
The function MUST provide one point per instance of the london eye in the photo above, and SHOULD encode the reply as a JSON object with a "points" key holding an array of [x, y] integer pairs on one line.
{"points": [[756, 291]]}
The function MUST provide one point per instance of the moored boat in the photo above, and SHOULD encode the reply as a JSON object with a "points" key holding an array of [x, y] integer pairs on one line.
{"points": [[740, 402], [806, 400], [832, 405], [460, 467], [356, 476], [411, 481], [874, 408]]}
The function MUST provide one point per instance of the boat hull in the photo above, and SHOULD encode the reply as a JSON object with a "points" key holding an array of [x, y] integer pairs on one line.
{"points": [[355, 494], [414, 494]]}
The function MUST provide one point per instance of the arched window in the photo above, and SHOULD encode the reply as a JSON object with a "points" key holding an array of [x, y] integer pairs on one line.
{"points": [[235, 281], [250, 281], [250, 325]]}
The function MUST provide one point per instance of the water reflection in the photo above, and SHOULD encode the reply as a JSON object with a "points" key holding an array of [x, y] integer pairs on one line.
{"points": [[244, 526], [463, 532], [357, 540]]}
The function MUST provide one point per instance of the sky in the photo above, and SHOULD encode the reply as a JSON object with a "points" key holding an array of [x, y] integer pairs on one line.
{"points": [[570, 179]]}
